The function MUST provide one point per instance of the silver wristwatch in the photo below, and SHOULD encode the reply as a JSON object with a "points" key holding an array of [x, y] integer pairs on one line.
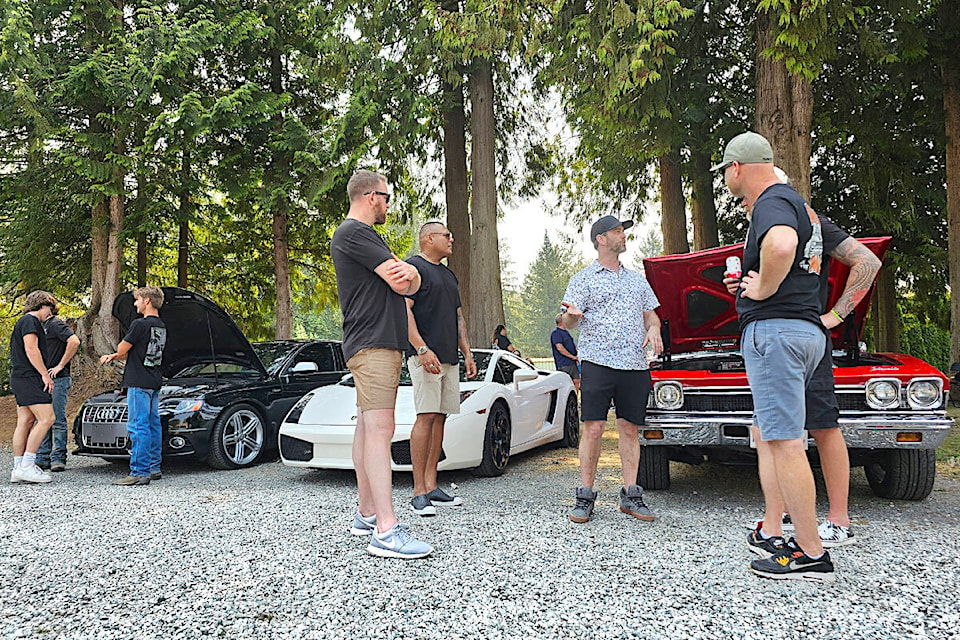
{"points": [[422, 350]]}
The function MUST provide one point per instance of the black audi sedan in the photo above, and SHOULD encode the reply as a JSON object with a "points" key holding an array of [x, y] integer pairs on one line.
{"points": [[223, 398]]}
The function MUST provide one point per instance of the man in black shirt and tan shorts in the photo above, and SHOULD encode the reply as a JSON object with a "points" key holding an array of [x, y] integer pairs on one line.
{"points": [[371, 283]]}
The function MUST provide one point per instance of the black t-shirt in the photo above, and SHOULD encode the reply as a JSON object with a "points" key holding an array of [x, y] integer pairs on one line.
{"points": [[832, 237], [148, 336], [57, 335], [435, 307], [503, 342], [20, 365], [374, 316], [799, 294]]}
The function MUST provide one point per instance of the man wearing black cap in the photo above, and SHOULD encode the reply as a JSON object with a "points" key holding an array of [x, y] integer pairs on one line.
{"points": [[782, 342], [614, 307]]}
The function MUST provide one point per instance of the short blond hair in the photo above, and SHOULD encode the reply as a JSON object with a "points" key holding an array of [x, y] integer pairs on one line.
{"points": [[362, 182], [153, 294], [38, 299]]}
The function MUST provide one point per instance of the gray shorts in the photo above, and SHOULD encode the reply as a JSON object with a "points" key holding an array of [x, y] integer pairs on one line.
{"points": [[780, 356], [571, 370]]}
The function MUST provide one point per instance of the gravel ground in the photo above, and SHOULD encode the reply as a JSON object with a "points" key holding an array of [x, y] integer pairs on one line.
{"points": [[265, 553]]}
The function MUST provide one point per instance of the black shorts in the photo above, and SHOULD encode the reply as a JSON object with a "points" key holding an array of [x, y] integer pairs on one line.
{"points": [[629, 391], [823, 412], [28, 390]]}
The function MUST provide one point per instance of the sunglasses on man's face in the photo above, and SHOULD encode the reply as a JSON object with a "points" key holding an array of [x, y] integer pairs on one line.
{"points": [[386, 196]]}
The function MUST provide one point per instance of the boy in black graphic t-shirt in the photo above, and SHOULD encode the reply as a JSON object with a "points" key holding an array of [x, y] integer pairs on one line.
{"points": [[142, 348]]}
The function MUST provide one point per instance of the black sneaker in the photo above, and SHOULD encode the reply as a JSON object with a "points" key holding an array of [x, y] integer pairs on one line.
{"points": [[764, 547], [793, 564]]}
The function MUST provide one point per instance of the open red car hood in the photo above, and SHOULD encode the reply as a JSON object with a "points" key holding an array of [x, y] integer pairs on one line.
{"points": [[700, 312]]}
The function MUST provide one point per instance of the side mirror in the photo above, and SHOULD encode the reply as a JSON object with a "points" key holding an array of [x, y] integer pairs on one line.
{"points": [[524, 375], [305, 367]]}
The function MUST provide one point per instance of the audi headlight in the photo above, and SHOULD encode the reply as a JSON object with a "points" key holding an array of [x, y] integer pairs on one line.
{"points": [[883, 393], [668, 395], [925, 393], [185, 405]]}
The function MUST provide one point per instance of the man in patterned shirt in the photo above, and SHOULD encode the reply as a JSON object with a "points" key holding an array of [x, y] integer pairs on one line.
{"points": [[614, 307]]}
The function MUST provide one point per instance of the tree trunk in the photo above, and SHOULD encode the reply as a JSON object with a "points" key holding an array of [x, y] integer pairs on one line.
{"points": [[277, 174], [486, 295], [455, 182], [951, 109], [184, 214], [886, 318], [784, 109], [142, 259], [98, 326], [673, 216], [703, 208]]}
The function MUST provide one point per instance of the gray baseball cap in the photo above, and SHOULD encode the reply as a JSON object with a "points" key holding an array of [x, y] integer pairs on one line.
{"points": [[606, 223], [746, 148]]}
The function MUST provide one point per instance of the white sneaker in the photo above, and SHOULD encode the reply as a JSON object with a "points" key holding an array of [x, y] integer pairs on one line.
{"points": [[13, 475], [833, 535], [31, 475]]}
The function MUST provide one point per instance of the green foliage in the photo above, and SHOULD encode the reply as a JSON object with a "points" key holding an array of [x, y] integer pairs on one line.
{"points": [[927, 342], [532, 309]]}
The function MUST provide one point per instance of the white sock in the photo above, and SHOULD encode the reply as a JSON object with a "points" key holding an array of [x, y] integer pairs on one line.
{"points": [[29, 459], [17, 461]]}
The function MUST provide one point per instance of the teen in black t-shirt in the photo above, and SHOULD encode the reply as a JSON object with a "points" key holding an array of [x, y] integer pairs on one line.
{"points": [[31, 385], [142, 348]]}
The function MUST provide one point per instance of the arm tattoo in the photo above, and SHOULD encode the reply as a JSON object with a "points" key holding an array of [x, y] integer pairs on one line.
{"points": [[864, 266]]}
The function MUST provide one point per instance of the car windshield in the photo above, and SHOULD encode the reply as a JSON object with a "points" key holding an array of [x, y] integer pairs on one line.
{"points": [[482, 360], [272, 354], [220, 368]]}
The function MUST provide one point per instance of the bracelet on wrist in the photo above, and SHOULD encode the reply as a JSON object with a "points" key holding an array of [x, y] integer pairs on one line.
{"points": [[839, 317]]}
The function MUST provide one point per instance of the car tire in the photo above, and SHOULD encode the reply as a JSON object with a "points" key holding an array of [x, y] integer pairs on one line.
{"points": [[237, 439], [496, 441], [654, 470], [571, 423], [903, 474]]}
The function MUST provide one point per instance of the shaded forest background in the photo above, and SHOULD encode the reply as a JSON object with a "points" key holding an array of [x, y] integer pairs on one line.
{"points": [[207, 144]]}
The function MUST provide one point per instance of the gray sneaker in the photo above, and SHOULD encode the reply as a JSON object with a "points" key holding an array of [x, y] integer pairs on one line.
{"points": [[631, 503], [422, 506], [441, 498], [398, 542], [363, 525], [586, 498]]}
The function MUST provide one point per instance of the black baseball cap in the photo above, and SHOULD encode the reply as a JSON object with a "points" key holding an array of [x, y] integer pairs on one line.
{"points": [[606, 223]]}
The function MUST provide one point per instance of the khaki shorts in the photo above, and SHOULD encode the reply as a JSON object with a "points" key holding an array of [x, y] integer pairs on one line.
{"points": [[435, 392], [376, 374]]}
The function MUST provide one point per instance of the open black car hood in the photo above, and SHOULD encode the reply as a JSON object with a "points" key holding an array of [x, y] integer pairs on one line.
{"points": [[198, 330]]}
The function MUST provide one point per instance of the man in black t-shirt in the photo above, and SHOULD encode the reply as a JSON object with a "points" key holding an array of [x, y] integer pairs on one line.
{"points": [[371, 283], [783, 339], [435, 327], [142, 348], [31, 386], [62, 345], [822, 409]]}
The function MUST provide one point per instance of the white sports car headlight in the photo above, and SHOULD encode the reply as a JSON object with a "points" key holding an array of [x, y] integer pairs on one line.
{"points": [[668, 395], [925, 393], [883, 393]]}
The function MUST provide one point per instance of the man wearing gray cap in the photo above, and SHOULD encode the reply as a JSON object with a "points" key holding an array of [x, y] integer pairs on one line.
{"points": [[615, 309], [783, 340]]}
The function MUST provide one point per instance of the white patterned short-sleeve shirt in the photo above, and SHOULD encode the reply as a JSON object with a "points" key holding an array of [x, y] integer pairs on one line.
{"points": [[612, 327]]}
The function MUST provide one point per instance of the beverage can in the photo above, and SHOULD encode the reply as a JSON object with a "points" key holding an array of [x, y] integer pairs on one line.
{"points": [[733, 267]]}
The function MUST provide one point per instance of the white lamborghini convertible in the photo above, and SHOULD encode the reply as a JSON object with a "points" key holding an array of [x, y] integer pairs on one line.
{"points": [[507, 408]]}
